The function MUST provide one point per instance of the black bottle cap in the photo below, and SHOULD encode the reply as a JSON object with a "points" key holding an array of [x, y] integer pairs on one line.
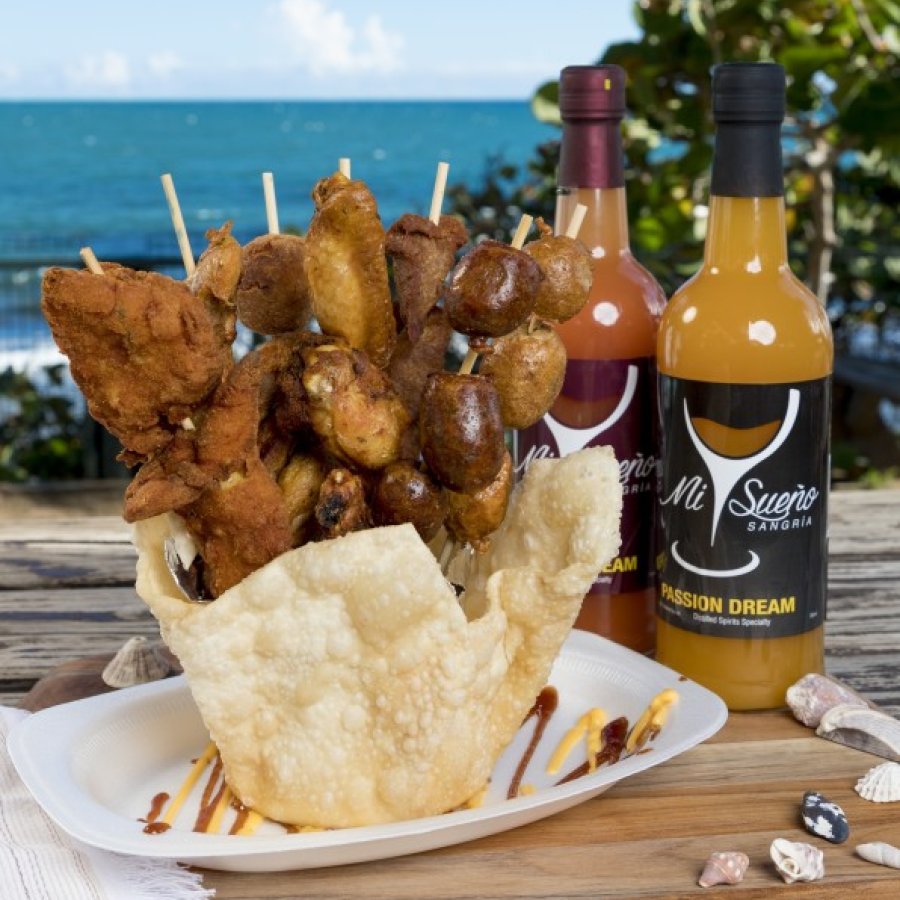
{"points": [[592, 92], [748, 92]]}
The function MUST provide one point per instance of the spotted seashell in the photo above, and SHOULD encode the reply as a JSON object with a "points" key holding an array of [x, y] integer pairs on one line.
{"points": [[880, 853], [814, 694], [824, 818], [797, 862], [724, 867], [880, 784]]}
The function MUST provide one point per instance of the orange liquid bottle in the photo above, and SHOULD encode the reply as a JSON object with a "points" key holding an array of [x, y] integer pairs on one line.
{"points": [[609, 393], [745, 354]]}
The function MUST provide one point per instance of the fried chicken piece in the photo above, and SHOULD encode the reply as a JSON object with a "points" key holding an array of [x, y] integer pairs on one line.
{"points": [[353, 407], [273, 294], [461, 430], [566, 266], [492, 290], [472, 517], [300, 482], [341, 507], [413, 361], [406, 494], [422, 253], [226, 436], [239, 524], [144, 351], [346, 268], [219, 267]]}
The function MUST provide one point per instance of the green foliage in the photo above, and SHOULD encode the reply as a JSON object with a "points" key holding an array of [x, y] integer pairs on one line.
{"points": [[40, 436], [840, 153]]}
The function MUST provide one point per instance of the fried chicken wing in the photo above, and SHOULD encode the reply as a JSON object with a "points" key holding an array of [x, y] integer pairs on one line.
{"points": [[300, 482], [346, 268], [422, 253], [342, 507], [353, 407], [144, 350], [273, 294], [219, 267]]}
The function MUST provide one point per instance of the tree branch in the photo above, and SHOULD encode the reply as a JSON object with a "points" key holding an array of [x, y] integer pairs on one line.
{"points": [[868, 29]]}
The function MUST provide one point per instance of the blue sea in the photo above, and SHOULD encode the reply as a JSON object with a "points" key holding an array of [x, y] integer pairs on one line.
{"points": [[75, 174]]}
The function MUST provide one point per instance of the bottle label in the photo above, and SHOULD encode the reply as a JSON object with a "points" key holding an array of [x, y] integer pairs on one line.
{"points": [[743, 494], [608, 402]]}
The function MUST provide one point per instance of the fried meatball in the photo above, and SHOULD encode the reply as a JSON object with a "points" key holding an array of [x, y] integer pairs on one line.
{"points": [[405, 494]]}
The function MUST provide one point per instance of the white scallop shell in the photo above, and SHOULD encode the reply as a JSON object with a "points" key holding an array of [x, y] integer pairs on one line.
{"points": [[137, 662], [724, 867], [880, 784], [880, 853], [863, 729], [796, 861], [814, 694]]}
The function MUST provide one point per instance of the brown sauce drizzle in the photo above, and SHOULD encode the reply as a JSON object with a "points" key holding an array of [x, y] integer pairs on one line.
{"points": [[209, 801], [242, 813], [156, 805], [290, 829], [682, 678], [613, 735], [543, 709]]}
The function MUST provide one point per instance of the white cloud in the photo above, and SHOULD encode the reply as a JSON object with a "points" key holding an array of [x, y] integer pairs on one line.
{"points": [[326, 43], [164, 64], [108, 70]]}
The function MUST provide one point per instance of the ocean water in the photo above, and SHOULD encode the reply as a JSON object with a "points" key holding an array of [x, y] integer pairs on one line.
{"points": [[73, 174]]}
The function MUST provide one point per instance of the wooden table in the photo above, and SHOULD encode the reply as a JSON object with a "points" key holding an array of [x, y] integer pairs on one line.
{"points": [[66, 592]]}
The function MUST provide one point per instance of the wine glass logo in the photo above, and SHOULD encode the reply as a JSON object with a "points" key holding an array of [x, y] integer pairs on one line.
{"points": [[568, 440], [727, 469]]}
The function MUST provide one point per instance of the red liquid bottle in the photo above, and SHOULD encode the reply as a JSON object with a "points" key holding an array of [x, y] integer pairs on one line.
{"points": [[609, 392]]}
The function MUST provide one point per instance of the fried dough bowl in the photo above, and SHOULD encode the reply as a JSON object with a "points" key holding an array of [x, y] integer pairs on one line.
{"points": [[345, 684]]}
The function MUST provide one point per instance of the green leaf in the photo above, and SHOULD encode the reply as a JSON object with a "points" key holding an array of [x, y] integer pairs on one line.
{"points": [[545, 103]]}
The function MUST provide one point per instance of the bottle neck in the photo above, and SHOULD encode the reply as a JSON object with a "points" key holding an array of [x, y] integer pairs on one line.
{"points": [[605, 228], [746, 229], [746, 234], [590, 154]]}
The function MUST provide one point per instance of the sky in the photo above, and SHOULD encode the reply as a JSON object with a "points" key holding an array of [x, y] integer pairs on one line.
{"points": [[298, 49]]}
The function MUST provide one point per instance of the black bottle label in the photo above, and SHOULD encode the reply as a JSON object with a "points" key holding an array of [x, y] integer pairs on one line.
{"points": [[608, 402], [743, 494]]}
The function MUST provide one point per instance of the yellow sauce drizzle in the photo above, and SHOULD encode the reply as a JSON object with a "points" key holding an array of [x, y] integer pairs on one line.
{"points": [[596, 721], [251, 823], [570, 739], [216, 819], [189, 782], [526, 790], [652, 717]]}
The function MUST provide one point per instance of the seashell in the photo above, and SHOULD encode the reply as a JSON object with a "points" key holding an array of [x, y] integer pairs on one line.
{"points": [[797, 862], [724, 867], [137, 662], [880, 784], [824, 818], [863, 729], [814, 694], [880, 853]]}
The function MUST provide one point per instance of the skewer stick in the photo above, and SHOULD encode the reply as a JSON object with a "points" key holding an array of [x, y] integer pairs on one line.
{"points": [[90, 260], [344, 166], [437, 196], [184, 244], [271, 206], [576, 221]]}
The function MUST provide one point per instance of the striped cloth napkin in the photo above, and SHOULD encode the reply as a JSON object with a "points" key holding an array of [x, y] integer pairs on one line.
{"points": [[38, 861]]}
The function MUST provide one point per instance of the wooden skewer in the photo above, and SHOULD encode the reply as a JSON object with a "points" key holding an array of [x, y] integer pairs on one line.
{"points": [[184, 244], [90, 260], [271, 206], [576, 221], [344, 166], [437, 195]]}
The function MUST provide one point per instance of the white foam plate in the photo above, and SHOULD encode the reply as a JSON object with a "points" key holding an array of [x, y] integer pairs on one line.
{"points": [[94, 766]]}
